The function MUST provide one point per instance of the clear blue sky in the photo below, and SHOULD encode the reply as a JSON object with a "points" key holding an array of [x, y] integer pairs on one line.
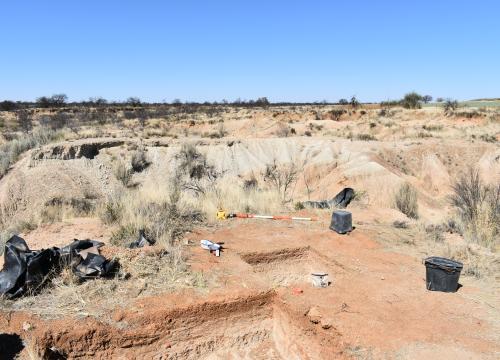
{"points": [[285, 50]]}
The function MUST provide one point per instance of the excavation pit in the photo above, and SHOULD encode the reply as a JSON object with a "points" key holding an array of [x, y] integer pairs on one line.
{"points": [[288, 266], [255, 327]]}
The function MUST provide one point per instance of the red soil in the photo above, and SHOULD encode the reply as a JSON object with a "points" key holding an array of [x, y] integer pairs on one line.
{"points": [[263, 305]]}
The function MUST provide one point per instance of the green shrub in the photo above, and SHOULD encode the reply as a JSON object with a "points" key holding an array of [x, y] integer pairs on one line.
{"points": [[412, 101]]}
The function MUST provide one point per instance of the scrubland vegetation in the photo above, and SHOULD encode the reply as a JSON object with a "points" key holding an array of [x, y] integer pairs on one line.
{"points": [[188, 195]]}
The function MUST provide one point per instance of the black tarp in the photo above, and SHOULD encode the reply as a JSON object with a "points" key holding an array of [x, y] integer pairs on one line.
{"points": [[141, 241], [26, 270], [341, 200]]}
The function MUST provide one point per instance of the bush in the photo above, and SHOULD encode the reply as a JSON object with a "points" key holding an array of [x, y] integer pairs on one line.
{"points": [[478, 208], [299, 206], [8, 105], [281, 177], [25, 120], [282, 130], [193, 163], [412, 101], [335, 114], [406, 201], [366, 137], [111, 212], [139, 162], [450, 105], [122, 173], [250, 184]]}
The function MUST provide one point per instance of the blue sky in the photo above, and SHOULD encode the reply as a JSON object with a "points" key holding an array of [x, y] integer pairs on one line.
{"points": [[285, 50]]}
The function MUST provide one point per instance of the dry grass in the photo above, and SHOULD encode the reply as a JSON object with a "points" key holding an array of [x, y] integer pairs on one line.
{"points": [[10, 151], [156, 208], [406, 201], [232, 197], [142, 273], [478, 208]]}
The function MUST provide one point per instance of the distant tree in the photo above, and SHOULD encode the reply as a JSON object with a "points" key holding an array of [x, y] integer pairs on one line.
{"points": [[43, 102], [8, 105], [133, 101], [57, 100], [262, 101], [426, 99], [176, 102], [25, 120], [98, 101], [412, 101], [343, 102], [439, 100], [450, 105], [354, 102], [142, 116]]}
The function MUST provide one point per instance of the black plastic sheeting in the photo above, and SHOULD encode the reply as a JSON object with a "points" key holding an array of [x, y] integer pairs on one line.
{"points": [[341, 200], [26, 270], [141, 241]]}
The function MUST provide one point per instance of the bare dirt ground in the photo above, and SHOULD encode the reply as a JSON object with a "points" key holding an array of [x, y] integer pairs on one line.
{"points": [[261, 304]]}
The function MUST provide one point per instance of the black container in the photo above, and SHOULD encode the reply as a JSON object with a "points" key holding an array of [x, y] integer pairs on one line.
{"points": [[341, 221], [442, 274]]}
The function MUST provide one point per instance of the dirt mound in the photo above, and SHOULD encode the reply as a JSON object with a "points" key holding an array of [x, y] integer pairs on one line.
{"points": [[434, 175], [87, 148], [33, 185], [80, 170]]}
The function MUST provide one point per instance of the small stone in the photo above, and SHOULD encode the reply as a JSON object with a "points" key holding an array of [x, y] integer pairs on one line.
{"points": [[326, 323], [27, 326], [314, 315], [382, 278]]}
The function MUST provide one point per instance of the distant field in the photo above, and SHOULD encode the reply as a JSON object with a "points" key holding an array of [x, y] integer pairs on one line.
{"points": [[472, 104], [479, 103]]}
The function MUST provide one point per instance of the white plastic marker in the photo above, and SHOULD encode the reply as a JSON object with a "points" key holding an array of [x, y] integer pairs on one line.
{"points": [[273, 217], [211, 246]]}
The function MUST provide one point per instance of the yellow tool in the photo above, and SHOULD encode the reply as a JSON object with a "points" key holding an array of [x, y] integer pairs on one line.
{"points": [[221, 214]]}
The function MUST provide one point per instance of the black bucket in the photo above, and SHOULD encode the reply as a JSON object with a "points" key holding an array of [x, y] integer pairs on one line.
{"points": [[442, 274], [341, 221]]}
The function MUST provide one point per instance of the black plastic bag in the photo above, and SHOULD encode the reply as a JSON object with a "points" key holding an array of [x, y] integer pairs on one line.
{"points": [[26, 270], [341, 200]]}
